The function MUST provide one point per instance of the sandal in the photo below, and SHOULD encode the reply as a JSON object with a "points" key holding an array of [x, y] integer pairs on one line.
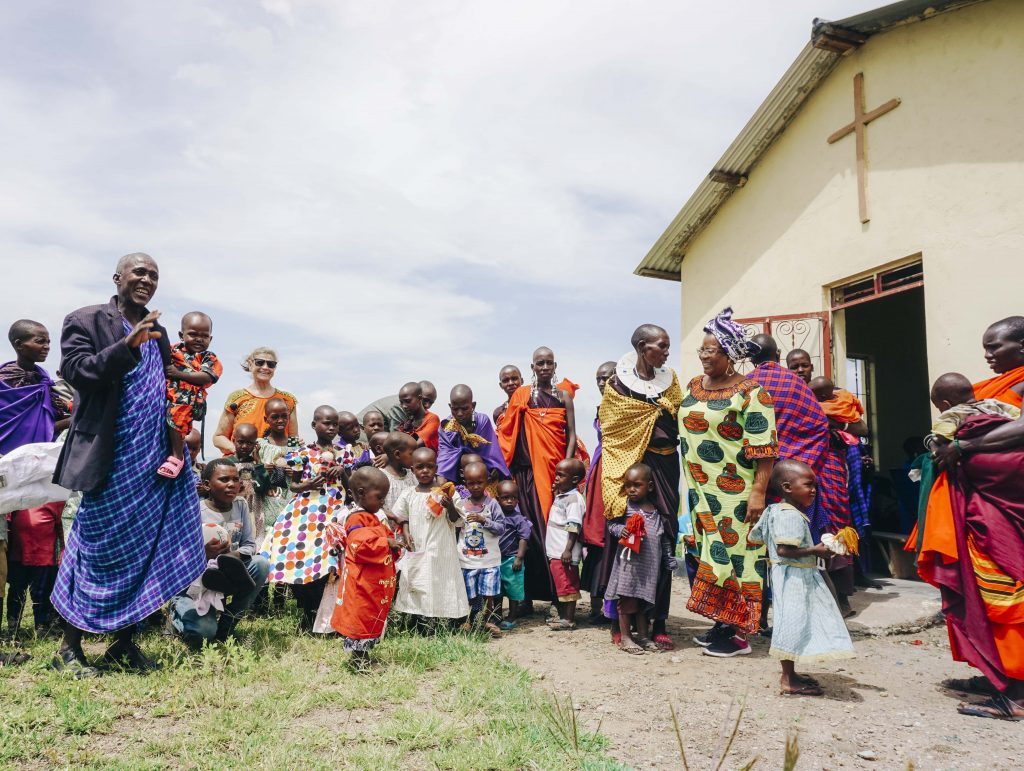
{"points": [[978, 684], [493, 630], [648, 645], [171, 467], [130, 658], [803, 690], [998, 707], [616, 638], [631, 648], [14, 659], [561, 625], [664, 642], [73, 663]]}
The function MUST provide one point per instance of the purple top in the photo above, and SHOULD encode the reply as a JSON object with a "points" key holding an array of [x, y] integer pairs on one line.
{"points": [[516, 526], [597, 449], [26, 411], [451, 448]]}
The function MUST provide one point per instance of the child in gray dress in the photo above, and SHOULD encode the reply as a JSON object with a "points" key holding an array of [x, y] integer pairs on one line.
{"points": [[808, 625], [642, 552]]}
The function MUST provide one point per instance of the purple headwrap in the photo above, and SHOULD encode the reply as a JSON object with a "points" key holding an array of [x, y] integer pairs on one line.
{"points": [[730, 336]]}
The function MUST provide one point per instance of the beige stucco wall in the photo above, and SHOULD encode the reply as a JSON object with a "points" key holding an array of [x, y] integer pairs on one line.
{"points": [[945, 179]]}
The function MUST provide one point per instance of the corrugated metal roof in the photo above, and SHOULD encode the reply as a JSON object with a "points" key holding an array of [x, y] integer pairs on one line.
{"points": [[811, 67]]}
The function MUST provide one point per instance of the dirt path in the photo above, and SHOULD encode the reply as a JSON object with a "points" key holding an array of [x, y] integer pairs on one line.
{"points": [[885, 702]]}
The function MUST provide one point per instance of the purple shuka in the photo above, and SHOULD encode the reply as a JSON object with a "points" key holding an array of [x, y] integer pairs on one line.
{"points": [[26, 411], [137, 539], [451, 447]]}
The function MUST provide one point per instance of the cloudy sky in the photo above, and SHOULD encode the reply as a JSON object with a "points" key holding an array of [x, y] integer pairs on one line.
{"points": [[381, 191]]}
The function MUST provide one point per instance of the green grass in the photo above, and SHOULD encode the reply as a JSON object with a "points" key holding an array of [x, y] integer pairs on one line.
{"points": [[278, 700]]}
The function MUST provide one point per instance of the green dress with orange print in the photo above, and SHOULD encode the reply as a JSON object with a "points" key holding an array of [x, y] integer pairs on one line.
{"points": [[722, 434]]}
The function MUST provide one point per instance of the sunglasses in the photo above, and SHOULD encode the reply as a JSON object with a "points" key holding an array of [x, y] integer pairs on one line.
{"points": [[268, 363]]}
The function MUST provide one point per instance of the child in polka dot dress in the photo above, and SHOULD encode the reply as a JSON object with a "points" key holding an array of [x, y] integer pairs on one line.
{"points": [[298, 552]]}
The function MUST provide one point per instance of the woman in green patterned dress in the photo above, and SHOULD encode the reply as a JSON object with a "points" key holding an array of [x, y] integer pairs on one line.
{"points": [[729, 445]]}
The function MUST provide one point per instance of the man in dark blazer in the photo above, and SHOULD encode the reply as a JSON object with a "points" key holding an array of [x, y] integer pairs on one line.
{"points": [[136, 540]]}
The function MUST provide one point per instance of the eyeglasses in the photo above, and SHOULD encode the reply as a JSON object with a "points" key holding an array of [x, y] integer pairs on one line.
{"points": [[268, 363], [709, 351]]}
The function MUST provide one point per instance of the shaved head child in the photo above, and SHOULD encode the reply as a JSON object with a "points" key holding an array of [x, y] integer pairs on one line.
{"points": [[431, 587], [468, 431], [953, 396], [561, 543], [193, 369], [482, 524], [420, 423]]}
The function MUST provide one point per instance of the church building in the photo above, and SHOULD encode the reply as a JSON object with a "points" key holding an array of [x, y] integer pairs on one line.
{"points": [[871, 211]]}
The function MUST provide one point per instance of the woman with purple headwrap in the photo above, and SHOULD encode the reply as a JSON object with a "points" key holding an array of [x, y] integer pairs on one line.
{"points": [[729, 445]]}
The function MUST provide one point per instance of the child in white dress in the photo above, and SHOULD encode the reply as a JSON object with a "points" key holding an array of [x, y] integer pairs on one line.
{"points": [[431, 585], [808, 625]]}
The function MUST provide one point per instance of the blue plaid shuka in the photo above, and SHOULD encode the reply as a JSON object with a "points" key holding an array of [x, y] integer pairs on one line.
{"points": [[137, 541]]}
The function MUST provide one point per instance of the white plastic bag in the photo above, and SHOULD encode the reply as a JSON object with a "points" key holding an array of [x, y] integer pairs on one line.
{"points": [[25, 475]]}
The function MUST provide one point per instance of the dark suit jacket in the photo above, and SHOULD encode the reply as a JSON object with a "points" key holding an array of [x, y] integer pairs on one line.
{"points": [[94, 358]]}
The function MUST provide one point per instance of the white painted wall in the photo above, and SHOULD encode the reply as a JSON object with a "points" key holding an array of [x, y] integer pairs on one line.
{"points": [[945, 178]]}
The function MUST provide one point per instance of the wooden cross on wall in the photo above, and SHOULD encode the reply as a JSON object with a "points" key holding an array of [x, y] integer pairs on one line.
{"points": [[859, 127]]}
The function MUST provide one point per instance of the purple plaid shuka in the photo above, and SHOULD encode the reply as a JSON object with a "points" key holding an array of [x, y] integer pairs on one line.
{"points": [[137, 540]]}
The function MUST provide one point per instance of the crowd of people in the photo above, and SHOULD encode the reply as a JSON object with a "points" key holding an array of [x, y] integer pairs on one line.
{"points": [[394, 515]]}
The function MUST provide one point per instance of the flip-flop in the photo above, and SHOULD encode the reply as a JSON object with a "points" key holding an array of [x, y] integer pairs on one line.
{"points": [[998, 704], [631, 648], [170, 468], [648, 645], [664, 642], [561, 625], [803, 690], [978, 685]]}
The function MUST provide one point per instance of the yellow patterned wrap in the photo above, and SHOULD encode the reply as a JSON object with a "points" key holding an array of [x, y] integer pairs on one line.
{"points": [[626, 426]]}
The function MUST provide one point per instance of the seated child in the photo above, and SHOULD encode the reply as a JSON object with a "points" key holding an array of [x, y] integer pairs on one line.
{"points": [[808, 626], [193, 369], [367, 554], [319, 499], [513, 544], [431, 585], [643, 549], [420, 423], [561, 543], [953, 396], [465, 432], [222, 506], [481, 526]]}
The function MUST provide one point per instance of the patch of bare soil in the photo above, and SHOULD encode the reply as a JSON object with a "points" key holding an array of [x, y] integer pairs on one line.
{"points": [[886, 704]]}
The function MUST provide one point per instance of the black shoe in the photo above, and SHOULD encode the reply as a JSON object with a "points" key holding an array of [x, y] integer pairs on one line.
{"points": [[727, 647], [74, 664], [234, 569], [716, 632], [14, 659], [130, 657], [215, 580]]}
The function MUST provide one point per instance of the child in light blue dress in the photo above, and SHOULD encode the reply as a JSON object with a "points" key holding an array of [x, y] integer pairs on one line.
{"points": [[808, 625]]}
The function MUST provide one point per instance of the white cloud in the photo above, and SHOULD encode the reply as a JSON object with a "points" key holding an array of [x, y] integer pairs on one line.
{"points": [[384, 191]]}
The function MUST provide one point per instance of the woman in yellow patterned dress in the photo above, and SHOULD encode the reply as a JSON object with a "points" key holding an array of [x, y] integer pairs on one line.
{"points": [[729, 445]]}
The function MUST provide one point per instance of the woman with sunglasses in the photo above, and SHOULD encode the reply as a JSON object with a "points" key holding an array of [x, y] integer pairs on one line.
{"points": [[247, 405]]}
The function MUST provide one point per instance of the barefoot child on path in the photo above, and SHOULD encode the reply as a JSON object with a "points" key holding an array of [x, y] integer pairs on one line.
{"points": [[808, 626]]}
